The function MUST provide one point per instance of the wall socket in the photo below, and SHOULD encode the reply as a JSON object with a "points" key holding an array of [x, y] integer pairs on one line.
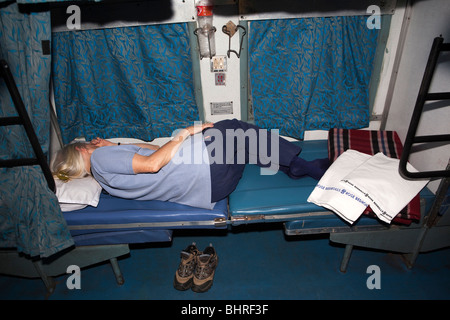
{"points": [[220, 78]]}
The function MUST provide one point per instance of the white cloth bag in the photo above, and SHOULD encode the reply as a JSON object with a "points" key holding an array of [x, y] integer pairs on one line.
{"points": [[331, 194], [378, 182]]}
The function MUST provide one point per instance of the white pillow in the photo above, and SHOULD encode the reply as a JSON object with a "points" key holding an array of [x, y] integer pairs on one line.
{"points": [[379, 183], [329, 193], [78, 193]]}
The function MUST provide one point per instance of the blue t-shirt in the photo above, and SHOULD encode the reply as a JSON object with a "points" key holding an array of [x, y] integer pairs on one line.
{"points": [[185, 179]]}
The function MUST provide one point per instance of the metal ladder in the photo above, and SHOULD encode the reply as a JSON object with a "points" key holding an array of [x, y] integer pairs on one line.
{"points": [[423, 96], [24, 120], [412, 138]]}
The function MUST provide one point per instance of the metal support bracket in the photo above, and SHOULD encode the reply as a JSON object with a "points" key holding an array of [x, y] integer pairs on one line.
{"points": [[230, 29], [210, 32]]}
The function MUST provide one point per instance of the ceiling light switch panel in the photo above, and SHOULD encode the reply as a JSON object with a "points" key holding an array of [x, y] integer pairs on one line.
{"points": [[219, 64]]}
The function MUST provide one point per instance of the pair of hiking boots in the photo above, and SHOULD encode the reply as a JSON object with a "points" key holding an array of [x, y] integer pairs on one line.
{"points": [[196, 269]]}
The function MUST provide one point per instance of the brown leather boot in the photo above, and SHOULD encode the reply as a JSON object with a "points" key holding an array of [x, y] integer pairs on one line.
{"points": [[204, 271], [185, 273]]}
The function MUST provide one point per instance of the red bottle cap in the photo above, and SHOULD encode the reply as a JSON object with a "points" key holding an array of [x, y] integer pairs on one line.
{"points": [[203, 11]]}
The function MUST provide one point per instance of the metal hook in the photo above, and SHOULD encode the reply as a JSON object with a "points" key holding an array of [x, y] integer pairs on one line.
{"points": [[230, 34]]}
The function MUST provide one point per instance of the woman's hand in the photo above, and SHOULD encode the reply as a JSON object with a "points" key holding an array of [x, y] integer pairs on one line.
{"points": [[99, 142], [196, 128], [191, 130]]}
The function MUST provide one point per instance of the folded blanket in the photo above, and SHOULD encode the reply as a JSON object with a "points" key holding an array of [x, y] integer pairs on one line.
{"points": [[366, 141], [378, 182], [330, 193]]}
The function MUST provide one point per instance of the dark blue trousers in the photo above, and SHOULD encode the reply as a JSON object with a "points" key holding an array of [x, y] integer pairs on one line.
{"points": [[225, 174]]}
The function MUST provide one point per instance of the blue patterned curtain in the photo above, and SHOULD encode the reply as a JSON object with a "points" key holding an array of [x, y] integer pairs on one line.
{"points": [[128, 82], [30, 216], [21, 37], [311, 73]]}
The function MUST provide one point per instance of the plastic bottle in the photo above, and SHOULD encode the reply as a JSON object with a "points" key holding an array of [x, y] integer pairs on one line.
{"points": [[205, 23]]}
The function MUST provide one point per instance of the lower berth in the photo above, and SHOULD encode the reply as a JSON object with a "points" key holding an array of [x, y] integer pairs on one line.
{"points": [[117, 220], [104, 233], [264, 198]]}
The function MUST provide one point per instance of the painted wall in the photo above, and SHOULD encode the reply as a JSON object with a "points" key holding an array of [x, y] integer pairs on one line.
{"points": [[428, 19], [229, 93]]}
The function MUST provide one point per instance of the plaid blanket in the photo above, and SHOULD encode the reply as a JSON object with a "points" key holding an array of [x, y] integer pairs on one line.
{"points": [[372, 142]]}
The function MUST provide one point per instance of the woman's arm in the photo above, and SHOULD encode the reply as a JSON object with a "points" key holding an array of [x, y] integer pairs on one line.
{"points": [[105, 143], [162, 156], [145, 145]]}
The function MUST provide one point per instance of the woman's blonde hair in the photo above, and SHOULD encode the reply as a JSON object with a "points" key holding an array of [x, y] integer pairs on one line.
{"points": [[68, 162]]}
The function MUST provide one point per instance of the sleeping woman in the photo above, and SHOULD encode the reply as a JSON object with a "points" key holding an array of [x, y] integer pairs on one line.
{"points": [[199, 166]]}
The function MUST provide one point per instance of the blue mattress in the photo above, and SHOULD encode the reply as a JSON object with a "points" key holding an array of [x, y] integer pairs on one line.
{"points": [[268, 198], [117, 220], [276, 195]]}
